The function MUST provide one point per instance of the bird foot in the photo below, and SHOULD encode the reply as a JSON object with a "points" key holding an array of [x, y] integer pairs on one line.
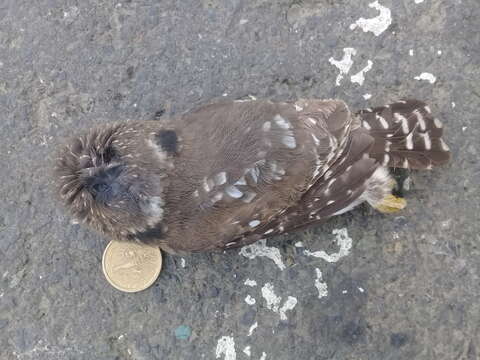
{"points": [[391, 204]]}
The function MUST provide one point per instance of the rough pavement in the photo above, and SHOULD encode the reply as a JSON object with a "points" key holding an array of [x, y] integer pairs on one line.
{"points": [[407, 288]]}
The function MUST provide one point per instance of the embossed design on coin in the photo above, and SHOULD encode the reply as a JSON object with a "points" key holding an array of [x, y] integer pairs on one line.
{"points": [[131, 267]]}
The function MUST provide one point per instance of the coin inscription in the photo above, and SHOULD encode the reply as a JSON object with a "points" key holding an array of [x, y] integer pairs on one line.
{"points": [[131, 267]]}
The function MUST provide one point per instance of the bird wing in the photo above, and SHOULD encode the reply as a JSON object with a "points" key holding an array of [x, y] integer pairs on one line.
{"points": [[338, 190], [243, 164]]}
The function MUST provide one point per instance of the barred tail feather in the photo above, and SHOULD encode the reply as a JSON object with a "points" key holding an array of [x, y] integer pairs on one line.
{"points": [[406, 135]]}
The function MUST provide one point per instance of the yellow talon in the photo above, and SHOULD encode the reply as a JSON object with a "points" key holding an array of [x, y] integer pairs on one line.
{"points": [[391, 204]]}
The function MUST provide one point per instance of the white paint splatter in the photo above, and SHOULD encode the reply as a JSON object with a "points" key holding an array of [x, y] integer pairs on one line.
{"points": [[250, 282], [344, 291], [226, 346], [182, 262], [299, 244], [343, 241], [264, 356], [250, 300], [361, 289], [43, 350], [464, 128], [260, 248], [273, 301], [321, 286], [378, 24], [247, 351], [73, 12], [367, 96], [252, 328], [345, 64], [439, 52], [419, 1], [427, 77], [410, 52], [453, 105], [287, 306], [359, 77]]}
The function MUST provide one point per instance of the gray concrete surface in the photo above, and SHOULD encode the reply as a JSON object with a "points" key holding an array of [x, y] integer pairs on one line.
{"points": [[407, 289]]}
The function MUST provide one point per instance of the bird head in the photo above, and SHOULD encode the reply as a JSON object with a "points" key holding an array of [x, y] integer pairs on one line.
{"points": [[107, 179]]}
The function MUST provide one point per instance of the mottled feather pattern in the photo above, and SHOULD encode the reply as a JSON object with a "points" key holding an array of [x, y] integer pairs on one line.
{"points": [[406, 134], [280, 148], [328, 122], [342, 184], [335, 187]]}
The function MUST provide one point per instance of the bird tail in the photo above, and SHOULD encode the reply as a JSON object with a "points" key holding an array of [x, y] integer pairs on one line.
{"points": [[406, 135]]}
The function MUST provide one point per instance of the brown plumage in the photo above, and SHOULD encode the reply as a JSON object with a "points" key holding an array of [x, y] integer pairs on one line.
{"points": [[231, 173]]}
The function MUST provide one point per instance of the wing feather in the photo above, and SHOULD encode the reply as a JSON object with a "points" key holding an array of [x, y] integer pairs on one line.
{"points": [[246, 163]]}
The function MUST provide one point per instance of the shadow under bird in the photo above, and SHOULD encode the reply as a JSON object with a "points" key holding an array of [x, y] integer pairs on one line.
{"points": [[231, 173]]}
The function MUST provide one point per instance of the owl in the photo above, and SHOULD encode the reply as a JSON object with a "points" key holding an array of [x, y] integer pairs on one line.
{"points": [[230, 173]]}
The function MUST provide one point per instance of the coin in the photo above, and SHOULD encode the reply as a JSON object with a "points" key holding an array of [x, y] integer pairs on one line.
{"points": [[131, 267]]}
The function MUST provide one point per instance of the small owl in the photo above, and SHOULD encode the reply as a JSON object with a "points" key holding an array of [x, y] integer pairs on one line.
{"points": [[231, 173]]}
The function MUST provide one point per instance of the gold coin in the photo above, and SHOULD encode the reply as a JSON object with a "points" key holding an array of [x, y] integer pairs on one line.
{"points": [[131, 267]]}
